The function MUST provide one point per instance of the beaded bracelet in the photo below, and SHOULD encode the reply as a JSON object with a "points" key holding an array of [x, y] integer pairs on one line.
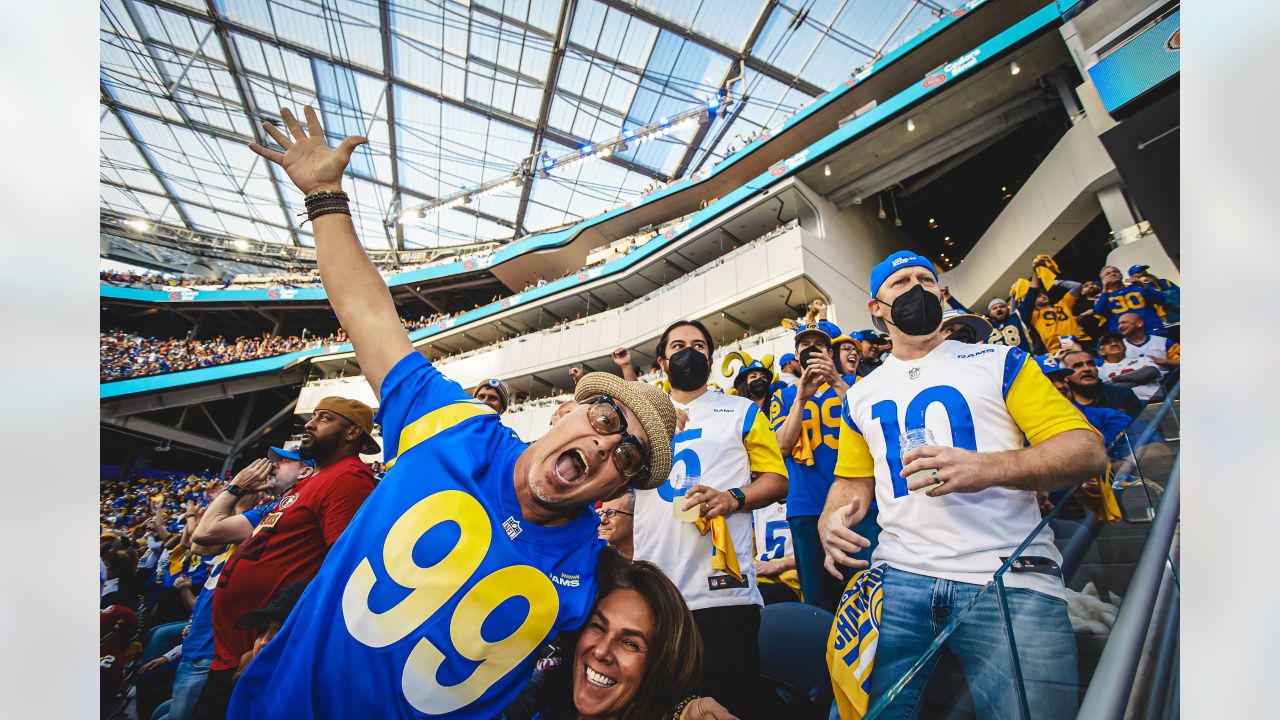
{"points": [[680, 707], [326, 202]]}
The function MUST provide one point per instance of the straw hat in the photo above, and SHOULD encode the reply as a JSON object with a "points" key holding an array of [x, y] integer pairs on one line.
{"points": [[654, 409]]}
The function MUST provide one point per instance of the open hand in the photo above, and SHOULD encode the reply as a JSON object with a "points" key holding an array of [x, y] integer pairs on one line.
{"points": [[307, 158], [839, 542], [958, 470]]}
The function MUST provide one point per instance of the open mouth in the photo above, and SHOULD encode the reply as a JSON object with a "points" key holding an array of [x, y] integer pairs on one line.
{"points": [[571, 466], [598, 679]]}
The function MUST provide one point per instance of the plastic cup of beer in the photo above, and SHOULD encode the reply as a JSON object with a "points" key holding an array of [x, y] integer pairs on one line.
{"points": [[909, 441], [682, 483]]}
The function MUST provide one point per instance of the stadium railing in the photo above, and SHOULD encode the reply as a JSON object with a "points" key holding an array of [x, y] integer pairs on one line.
{"points": [[1130, 669]]}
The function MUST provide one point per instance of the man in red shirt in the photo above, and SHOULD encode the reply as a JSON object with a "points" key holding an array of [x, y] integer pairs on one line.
{"points": [[291, 541]]}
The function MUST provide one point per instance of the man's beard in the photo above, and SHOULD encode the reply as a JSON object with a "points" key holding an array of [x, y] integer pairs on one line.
{"points": [[319, 448], [1090, 391]]}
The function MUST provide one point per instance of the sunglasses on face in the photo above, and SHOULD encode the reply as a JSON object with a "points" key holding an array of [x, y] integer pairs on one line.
{"points": [[606, 418], [611, 513]]}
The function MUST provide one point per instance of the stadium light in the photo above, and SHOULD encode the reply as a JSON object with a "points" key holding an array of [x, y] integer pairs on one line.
{"points": [[139, 225], [826, 170], [911, 125], [1013, 68], [241, 244]]}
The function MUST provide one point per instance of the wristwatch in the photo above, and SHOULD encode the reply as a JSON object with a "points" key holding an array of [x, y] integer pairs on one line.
{"points": [[739, 496], [235, 489]]}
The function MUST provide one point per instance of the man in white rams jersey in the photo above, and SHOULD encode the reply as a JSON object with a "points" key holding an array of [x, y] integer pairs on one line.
{"points": [[1002, 433], [725, 442]]}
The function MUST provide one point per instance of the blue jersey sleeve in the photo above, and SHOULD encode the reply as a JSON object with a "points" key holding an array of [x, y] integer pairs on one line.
{"points": [[414, 390]]}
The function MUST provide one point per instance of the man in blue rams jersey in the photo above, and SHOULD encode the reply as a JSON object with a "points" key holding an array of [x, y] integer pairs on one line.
{"points": [[476, 548], [806, 418], [1117, 299], [951, 511]]}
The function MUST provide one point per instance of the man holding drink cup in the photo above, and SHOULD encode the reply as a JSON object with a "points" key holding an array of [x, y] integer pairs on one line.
{"points": [[952, 441], [724, 444]]}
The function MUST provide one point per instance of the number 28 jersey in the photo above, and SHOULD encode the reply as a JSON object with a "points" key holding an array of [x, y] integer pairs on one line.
{"points": [[987, 398], [433, 600]]}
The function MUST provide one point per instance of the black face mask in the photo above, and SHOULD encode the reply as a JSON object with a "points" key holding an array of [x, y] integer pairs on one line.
{"points": [[757, 388], [689, 370], [916, 311], [807, 354]]}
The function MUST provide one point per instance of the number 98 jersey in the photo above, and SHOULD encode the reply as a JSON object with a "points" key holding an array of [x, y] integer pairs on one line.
{"points": [[433, 600], [986, 398]]}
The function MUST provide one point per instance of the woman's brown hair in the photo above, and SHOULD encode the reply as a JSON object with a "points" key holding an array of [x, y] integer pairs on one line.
{"points": [[673, 663]]}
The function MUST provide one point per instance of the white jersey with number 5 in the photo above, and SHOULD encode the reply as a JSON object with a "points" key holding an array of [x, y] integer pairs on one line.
{"points": [[725, 441], [987, 398], [773, 534]]}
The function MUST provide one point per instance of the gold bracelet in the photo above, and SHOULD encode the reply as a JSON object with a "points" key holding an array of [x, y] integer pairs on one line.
{"points": [[682, 705]]}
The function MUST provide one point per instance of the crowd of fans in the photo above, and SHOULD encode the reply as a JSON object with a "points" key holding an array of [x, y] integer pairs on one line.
{"points": [[880, 476], [124, 355], [160, 555]]}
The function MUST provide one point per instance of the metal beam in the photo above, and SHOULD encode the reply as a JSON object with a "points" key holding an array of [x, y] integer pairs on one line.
{"points": [[180, 397], [468, 105], [384, 18], [729, 75], [265, 427], [151, 428], [229, 53], [548, 94], [213, 422], [754, 63], [112, 103], [146, 157]]}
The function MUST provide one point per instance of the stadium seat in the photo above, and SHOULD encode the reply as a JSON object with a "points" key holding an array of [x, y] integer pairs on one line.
{"points": [[793, 646]]}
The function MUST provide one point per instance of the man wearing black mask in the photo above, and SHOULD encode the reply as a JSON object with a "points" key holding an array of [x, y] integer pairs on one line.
{"points": [[1089, 391], [709, 556]]}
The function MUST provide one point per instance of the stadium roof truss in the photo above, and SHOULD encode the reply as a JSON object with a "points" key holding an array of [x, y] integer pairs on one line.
{"points": [[451, 94]]}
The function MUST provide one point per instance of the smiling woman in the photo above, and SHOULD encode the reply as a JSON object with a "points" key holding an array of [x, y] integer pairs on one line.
{"points": [[638, 656]]}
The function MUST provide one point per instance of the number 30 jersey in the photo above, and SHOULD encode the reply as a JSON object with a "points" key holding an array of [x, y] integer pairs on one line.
{"points": [[433, 600], [987, 398]]}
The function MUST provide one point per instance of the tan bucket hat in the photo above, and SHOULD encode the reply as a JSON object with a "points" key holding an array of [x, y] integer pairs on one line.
{"points": [[654, 409]]}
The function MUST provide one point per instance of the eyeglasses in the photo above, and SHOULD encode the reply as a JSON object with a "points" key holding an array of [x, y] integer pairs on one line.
{"points": [[611, 513], [606, 418]]}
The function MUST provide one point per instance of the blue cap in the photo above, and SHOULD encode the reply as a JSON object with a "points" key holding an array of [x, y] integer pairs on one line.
{"points": [[1135, 269], [788, 357], [826, 327], [894, 263], [754, 365], [276, 453], [1050, 367]]}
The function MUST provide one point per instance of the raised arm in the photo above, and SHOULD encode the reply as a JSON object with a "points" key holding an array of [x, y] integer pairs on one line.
{"points": [[220, 524], [359, 294]]}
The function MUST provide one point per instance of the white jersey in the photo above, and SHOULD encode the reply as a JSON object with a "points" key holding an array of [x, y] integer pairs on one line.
{"points": [[987, 398], [726, 439], [773, 534], [1110, 371], [1154, 347]]}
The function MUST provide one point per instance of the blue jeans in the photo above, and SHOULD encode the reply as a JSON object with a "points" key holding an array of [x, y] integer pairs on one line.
{"points": [[917, 608], [188, 681], [163, 638], [819, 587]]}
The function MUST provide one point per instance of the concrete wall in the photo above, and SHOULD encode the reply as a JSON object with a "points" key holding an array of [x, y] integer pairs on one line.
{"points": [[854, 241], [1050, 209]]}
